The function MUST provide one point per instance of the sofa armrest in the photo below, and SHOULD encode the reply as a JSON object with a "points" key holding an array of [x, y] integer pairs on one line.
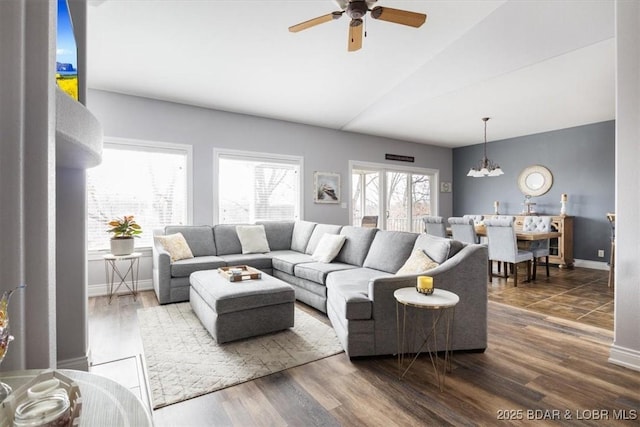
{"points": [[161, 268], [465, 274]]}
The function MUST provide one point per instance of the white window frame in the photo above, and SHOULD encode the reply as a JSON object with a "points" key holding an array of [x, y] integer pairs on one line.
{"points": [[382, 169], [255, 156], [152, 146]]}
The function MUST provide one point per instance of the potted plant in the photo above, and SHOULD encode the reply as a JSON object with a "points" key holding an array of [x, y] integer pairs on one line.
{"points": [[124, 230]]}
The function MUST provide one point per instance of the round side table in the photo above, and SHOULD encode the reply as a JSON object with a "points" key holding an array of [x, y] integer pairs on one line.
{"points": [[443, 304]]}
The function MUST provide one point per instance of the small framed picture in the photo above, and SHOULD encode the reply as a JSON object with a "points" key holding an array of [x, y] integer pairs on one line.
{"points": [[326, 187], [445, 187]]}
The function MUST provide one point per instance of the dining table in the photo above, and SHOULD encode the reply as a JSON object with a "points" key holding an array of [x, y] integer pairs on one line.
{"points": [[527, 236], [524, 236]]}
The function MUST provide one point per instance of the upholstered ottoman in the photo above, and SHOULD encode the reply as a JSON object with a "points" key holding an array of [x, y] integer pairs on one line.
{"points": [[234, 310]]}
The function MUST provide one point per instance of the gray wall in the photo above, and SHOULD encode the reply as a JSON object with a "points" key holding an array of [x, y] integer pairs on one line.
{"points": [[582, 161], [323, 149]]}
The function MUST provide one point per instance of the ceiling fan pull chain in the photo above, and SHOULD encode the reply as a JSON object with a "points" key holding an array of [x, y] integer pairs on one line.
{"points": [[365, 25]]}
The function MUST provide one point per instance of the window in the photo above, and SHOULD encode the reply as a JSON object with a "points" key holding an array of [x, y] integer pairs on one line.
{"points": [[149, 181], [399, 196], [257, 187]]}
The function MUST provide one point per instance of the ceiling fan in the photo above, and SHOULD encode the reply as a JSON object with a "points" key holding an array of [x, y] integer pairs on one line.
{"points": [[356, 10]]}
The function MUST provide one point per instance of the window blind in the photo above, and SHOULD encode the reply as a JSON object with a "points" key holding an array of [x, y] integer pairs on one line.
{"points": [[149, 183], [257, 189]]}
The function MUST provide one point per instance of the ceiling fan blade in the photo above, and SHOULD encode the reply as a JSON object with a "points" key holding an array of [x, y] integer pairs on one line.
{"points": [[404, 17], [355, 35], [315, 21]]}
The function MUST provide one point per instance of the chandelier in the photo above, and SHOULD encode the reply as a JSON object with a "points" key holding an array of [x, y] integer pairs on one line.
{"points": [[486, 167]]}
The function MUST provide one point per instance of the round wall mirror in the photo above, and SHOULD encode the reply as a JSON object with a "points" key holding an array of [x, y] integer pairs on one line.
{"points": [[535, 180]]}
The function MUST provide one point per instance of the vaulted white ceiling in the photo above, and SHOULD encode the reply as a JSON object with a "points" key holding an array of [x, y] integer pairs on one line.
{"points": [[532, 66]]}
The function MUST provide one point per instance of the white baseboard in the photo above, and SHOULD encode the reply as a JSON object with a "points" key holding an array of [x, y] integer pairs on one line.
{"points": [[627, 357], [103, 289], [77, 363], [595, 265]]}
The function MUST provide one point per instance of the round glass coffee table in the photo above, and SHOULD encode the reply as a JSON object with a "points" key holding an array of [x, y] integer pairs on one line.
{"points": [[443, 304], [104, 401]]}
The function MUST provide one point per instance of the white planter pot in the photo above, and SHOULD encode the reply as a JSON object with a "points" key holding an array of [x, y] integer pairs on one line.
{"points": [[122, 246]]}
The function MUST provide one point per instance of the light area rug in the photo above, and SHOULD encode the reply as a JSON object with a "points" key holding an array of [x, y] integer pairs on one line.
{"points": [[183, 361]]}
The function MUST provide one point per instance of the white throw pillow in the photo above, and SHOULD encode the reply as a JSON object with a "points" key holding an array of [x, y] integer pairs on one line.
{"points": [[253, 239], [328, 247], [176, 245], [418, 262]]}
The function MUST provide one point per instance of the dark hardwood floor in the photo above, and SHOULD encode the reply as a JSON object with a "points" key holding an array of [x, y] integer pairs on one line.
{"points": [[546, 363], [579, 294]]}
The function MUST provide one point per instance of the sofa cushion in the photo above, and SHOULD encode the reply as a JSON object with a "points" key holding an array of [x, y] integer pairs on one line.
{"points": [[357, 245], [318, 231], [184, 268], [328, 247], [198, 237], [350, 301], [301, 233], [226, 239], [356, 276], [176, 245], [279, 234], [417, 263], [285, 261], [317, 271], [389, 250], [259, 261], [253, 239], [437, 248]]}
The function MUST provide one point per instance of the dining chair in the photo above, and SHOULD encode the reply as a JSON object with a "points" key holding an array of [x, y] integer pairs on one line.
{"points": [[369, 221], [434, 225], [503, 247], [539, 248], [463, 229], [477, 219]]}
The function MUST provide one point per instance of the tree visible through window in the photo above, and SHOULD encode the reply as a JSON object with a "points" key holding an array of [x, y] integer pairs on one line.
{"points": [[147, 182], [254, 189], [401, 198]]}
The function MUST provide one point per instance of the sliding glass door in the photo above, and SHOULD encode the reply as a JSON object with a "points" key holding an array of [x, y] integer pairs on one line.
{"points": [[398, 197]]}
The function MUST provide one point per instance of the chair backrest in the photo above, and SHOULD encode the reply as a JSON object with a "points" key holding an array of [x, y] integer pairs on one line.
{"points": [[477, 219], [612, 220], [434, 225], [463, 229], [537, 223], [503, 245], [369, 221]]}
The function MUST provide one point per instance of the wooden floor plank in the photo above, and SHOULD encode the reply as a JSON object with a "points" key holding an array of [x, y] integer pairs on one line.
{"points": [[540, 360]]}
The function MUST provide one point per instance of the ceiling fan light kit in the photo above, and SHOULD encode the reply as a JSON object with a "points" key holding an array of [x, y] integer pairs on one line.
{"points": [[486, 167], [356, 10]]}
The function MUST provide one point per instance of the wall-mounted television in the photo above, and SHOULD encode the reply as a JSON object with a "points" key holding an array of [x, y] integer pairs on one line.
{"points": [[66, 53]]}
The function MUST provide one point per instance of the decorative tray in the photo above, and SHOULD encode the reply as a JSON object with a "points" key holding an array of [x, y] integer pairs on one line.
{"points": [[239, 272], [37, 389]]}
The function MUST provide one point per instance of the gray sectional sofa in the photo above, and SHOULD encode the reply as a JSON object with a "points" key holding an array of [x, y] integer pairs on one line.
{"points": [[355, 290]]}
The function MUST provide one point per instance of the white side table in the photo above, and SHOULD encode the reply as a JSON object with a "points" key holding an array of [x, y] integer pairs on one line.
{"points": [[443, 303], [132, 262]]}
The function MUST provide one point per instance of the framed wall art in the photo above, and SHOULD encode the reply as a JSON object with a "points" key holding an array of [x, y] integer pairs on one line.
{"points": [[326, 187]]}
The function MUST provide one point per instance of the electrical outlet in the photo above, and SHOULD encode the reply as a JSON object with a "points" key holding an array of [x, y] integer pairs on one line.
{"points": [[601, 253]]}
